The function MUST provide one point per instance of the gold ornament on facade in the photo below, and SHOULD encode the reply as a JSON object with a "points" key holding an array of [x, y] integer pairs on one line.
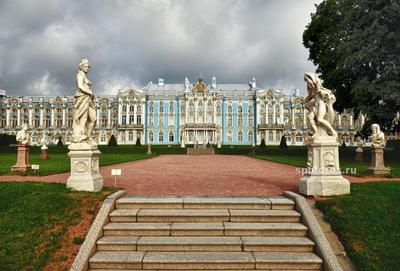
{"points": [[200, 87]]}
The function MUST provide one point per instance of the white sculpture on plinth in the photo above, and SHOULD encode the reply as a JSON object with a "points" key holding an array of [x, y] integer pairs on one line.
{"points": [[377, 137], [85, 174], [323, 176], [22, 135], [44, 141], [85, 106]]}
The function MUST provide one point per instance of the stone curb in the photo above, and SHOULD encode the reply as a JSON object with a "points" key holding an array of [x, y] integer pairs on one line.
{"points": [[322, 246], [88, 247]]}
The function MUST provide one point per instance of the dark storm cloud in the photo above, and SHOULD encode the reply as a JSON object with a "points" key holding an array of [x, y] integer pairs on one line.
{"points": [[130, 43]]}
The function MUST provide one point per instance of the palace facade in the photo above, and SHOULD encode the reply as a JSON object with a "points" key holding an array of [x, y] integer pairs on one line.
{"points": [[186, 113]]}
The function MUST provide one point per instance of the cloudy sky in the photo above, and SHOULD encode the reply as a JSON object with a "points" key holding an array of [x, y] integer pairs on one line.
{"points": [[130, 43]]}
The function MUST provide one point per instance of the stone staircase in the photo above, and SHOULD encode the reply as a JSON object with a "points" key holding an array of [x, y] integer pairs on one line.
{"points": [[204, 233]]}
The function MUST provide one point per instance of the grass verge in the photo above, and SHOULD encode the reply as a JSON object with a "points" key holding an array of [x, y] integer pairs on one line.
{"points": [[36, 222], [368, 224]]}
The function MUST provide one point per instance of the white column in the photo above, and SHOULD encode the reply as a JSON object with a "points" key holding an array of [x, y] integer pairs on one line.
{"points": [[97, 117], [30, 117], [258, 112], [41, 117], [135, 114], [143, 113], [205, 111], [273, 114], [351, 120], [195, 110], [52, 118], [109, 117], [214, 120], [119, 113], [8, 117], [339, 120], [266, 114], [293, 118], [186, 110], [362, 119], [63, 118], [19, 117], [304, 118], [281, 114]]}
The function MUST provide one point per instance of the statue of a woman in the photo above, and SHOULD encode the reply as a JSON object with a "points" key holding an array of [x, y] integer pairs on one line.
{"points": [[85, 106], [377, 137], [319, 103]]}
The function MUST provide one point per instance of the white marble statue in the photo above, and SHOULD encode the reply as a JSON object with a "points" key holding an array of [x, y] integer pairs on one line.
{"points": [[377, 137], [319, 103], [22, 135], [360, 144], [44, 141], [85, 106]]}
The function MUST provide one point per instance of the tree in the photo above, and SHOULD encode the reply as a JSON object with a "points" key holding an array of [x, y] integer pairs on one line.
{"points": [[138, 142], [112, 142], [283, 143], [355, 45], [262, 144]]}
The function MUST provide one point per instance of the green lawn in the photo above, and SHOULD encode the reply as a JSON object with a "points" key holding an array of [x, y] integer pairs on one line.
{"points": [[297, 156], [34, 218], [59, 161], [368, 224]]}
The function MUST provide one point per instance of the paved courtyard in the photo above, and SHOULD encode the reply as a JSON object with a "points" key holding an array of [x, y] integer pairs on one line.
{"points": [[197, 175]]}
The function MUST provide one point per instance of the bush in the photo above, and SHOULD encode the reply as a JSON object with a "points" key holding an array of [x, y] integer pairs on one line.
{"points": [[283, 143], [112, 142], [262, 144], [138, 142], [6, 140], [60, 143]]}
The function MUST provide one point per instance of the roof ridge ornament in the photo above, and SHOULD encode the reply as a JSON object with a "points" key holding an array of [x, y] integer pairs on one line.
{"points": [[200, 87]]}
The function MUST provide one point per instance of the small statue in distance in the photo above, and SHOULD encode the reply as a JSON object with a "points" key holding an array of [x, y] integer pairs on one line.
{"points": [[22, 135]]}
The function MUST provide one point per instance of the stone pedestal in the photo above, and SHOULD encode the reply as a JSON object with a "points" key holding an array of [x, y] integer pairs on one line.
{"points": [[149, 149], [44, 154], [183, 145], [85, 175], [22, 164], [359, 156], [377, 167], [219, 145], [323, 176]]}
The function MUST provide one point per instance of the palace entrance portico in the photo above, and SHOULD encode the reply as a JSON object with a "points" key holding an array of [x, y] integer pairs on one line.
{"points": [[200, 133]]}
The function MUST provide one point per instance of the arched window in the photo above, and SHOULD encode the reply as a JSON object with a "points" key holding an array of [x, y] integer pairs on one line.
{"points": [[250, 110], [229, 136], [191, 136], [151, 107], [240, 109], [171, 136], [131, 119], [240, 120], [250, 136], [124, 108], [299, 138], [229, 109], [298, 121], [250, 120], [139, 108], [130, 137], [132, 108], [270, 136], [161, 109], [240, 136], [160, 137], [171, 107], [139, 119], [218, 108], [151, 136], [230, 121]]}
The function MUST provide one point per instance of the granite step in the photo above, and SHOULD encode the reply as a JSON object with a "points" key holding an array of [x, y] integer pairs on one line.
{"points": [[264, 216], [189, 243], [285, 244], [135, 202], [117, 260], [203, 215], [136, 229], [287, 261], [182, 215], [198, 260], [264, 229], [117, 243]]}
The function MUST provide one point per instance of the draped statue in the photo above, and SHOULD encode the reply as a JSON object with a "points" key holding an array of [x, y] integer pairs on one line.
{"points": [[85, 106], [377, 137], [319, 103]]}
